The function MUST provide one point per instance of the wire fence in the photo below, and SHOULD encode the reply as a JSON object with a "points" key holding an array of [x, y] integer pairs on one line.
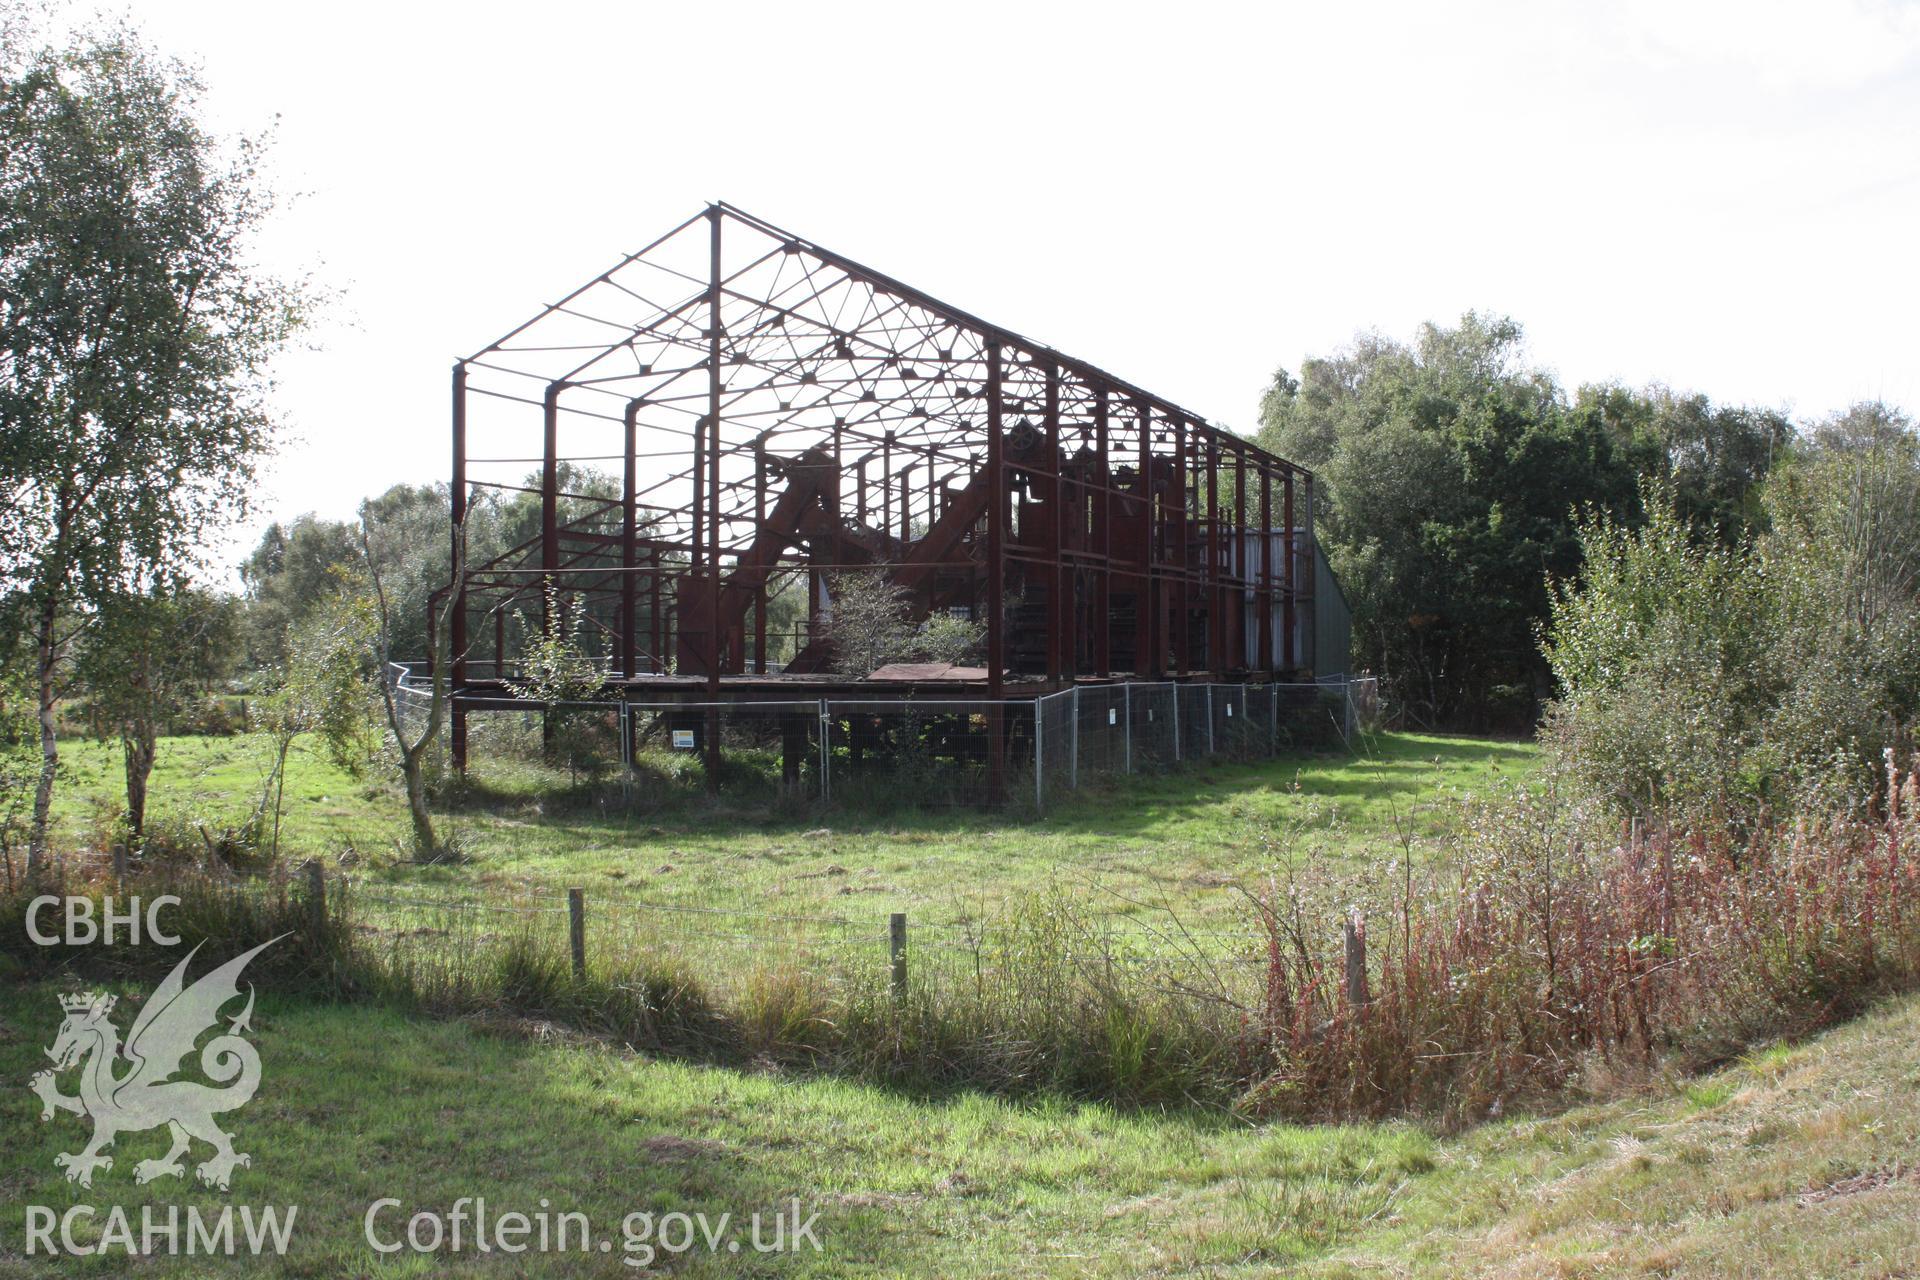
{"points": [[1094, 730], [926, 752], [436, 939], [1037, 984]]}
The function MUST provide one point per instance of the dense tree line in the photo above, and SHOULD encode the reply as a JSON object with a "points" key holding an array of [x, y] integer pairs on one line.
{"points": [[1452, 475]]}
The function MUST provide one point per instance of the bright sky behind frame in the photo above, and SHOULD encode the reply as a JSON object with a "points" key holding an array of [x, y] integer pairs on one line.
{"points": [[1722, 197]]}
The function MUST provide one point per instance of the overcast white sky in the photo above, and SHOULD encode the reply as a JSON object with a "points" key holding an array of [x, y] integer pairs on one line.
{"points": [[1723, 197]]}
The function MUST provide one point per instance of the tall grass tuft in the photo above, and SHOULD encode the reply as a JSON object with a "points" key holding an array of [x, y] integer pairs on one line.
{"points": [[226, 914], [1541, 954], [1536, 958]]}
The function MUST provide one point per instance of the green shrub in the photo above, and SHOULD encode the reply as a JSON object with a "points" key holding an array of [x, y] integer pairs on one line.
{"points": [[1714, 682]]}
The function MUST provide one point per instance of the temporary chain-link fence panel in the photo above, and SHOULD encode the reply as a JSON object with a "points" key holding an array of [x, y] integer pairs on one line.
{"points": [[1154, 711], [916, 752], [1312, 717], [925, 752], [1196, 721], [1100, 730], [1055, 745], [1102, 726]]}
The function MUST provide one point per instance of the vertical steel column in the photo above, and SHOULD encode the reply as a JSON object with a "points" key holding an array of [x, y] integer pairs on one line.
{"points": [[1053, 545], [1264, 597], [1289, 649], [906, 506], [657, 620], [550, 532], [760, 590], [1102, 511], [1149, 653], [697, 542], [1216, 607], [549, 499], [1183, 599], [826, 550], [629, 529], [996, 579], [1312, 576], [457, 614], [713, 499], [1237, 547]]}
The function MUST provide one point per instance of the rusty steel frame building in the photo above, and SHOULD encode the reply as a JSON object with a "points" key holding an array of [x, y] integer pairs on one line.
{"points": [[777, 411]]}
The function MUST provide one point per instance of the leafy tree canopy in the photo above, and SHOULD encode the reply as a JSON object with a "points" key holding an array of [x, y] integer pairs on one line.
{"points": [[1450, 476]]}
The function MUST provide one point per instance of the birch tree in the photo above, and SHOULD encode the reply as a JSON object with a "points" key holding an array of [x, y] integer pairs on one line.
{"points": [[134, 337]]}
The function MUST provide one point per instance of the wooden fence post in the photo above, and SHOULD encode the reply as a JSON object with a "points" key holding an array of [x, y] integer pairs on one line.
{"points": [[1356, 934], [120, 866], [577, 931], [317, 898], [897, 951]]}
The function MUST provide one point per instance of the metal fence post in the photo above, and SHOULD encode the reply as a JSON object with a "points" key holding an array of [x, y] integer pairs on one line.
{"points": [[577, 931], [626, 751], [1355, 931], [1039, 749], [1273, 719], [317, 898], [1073, 744], [1210, 747], [897, 953], [826, 750], [1176, 720], [1127, 692]]}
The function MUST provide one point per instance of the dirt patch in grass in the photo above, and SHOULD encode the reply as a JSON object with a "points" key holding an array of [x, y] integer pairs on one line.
{"points": [[668, 1146], [1859, 1183]]}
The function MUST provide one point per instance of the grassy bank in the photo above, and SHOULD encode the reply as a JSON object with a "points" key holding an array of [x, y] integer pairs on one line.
{"points": [[358, 1103], [1793, 1161], [1796, 1160]]}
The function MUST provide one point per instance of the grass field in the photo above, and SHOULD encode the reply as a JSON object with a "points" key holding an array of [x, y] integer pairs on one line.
{"points": [[1796, 1161], [1182, 840]]}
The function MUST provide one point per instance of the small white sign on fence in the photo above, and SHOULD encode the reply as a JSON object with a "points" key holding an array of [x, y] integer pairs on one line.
{"points": [[683, 739], [1113, 715]]}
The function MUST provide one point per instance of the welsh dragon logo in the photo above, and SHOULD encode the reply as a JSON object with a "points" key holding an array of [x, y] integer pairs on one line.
{"points": [[146, 1095]]}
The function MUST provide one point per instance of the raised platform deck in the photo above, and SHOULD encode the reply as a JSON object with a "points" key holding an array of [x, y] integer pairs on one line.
{"points": [[772, 688]]}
